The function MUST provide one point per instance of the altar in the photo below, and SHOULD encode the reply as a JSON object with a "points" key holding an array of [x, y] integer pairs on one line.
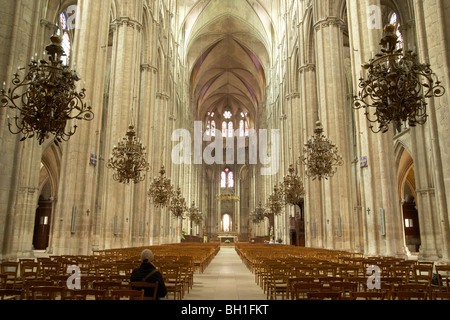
{"points": [[231, 237]]}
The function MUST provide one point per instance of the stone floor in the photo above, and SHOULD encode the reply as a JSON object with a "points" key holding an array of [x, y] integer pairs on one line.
{"points": [[226, 278]]}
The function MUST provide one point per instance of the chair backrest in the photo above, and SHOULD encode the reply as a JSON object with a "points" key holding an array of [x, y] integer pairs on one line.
{"points": [[408, 295], [11, 294], [130, 294], [150, 288], [367, 295], [84, 294], [47, 293], [324, 295], [443, 275], [441, 295], [423, 273], [35, 283]]}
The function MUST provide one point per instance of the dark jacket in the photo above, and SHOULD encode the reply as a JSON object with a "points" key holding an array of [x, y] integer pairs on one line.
{"points": [[140, 273]]}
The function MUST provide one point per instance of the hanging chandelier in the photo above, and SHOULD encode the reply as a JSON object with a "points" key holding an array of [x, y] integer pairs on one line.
{"points": [[275, 202], [194, 214], [128, 159], [45, 100], [259, 214], [292, 188], [320, 155], [396, 86], [177, 204], [161, 190]]}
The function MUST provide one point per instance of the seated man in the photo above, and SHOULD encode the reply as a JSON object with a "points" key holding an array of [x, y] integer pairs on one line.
{"points": [[148, 273]]}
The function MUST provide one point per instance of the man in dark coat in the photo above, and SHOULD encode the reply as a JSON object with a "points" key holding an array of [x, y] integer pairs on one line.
{"points": [[149, 272]]}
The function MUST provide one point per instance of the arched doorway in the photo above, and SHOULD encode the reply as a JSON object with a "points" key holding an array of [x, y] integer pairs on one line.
{"points": [[407, 194], [48, 190], [43, 218]]}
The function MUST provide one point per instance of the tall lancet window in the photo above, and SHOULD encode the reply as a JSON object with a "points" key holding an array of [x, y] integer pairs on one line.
{"points": [[66, 42], [224, 129], [213, 128], [394, 20], [227, 179]]}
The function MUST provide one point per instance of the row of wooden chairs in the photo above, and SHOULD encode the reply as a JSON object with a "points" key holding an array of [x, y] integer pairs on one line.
{"points": [[282, 270], [177, 264], [101, 290]]}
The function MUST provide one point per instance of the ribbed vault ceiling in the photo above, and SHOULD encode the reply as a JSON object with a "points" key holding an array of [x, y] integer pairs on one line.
{"points": [[227, 53]]}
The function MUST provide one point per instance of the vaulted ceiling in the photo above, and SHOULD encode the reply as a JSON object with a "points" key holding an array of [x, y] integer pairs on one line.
{"points": [[228, 46]]}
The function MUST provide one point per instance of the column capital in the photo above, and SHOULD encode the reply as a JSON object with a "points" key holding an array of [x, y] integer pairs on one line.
{"points": [[127, 22], [149, 67], [327, 22], [307, 68]]}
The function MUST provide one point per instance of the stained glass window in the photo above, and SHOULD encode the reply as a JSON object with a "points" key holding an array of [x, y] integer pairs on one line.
{"points": [[213, 128], [224, 129], [227, 179], [66, 44], [227, 114], [230, 182], [63, 21], [223, 180], [230, 129], [395, 22], [241, 128], [246, 129], [208, 128]]}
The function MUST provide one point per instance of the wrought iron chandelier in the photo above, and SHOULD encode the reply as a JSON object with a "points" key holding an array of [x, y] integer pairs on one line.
{"points": [[396, 86], [46, 99], [259, 214], [320, 155], [194, 214], [129, 159], [161, 190], [178, 204], [292, 188], [275, 202]]}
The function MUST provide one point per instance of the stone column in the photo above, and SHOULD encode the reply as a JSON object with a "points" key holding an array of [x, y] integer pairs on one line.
{"points": [[78, 187], [333, 113], [433, 44], [378, 185]]}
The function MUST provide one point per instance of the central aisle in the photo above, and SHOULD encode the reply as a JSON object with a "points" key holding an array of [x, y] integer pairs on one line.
{"points": [[225, 278]]}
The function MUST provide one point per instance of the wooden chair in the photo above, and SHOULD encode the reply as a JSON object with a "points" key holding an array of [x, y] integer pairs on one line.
{"points": [[301, 289], [11, 270], [88, 294], [107, 286], [28, 270], [87, 281], [127, 294], [47, 293], [403, 273], [423, 274], [124, 279], [278, 284], [441, 296], [412, 287], [150, 289], [172, 279], [324, 295], [345, 288], [291, 283], [3, 280], [34, 283], [443, 275], [49, 269], [367, 295], [11, 294], [410, 295]]}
